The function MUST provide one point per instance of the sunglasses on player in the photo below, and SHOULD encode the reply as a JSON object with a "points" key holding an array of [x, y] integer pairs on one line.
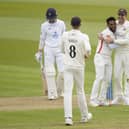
{"points": [[121, 14]]}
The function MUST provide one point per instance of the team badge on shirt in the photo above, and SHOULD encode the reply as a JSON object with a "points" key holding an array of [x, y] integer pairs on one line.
{"points": [[55, 35]]}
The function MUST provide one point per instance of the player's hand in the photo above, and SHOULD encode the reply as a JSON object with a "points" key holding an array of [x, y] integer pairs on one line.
{"points": [[38, 56], [42, 68], [100, 36], [85, 56], [108, 39]]}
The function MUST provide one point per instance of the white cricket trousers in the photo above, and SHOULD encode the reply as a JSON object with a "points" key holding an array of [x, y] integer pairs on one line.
{"points": [[121, 67], [71, 75], [103, 68], [52, 56]]}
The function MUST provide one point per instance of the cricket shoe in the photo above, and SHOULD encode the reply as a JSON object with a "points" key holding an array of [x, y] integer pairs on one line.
{"points": [[101, 103], [68, 121], [94, 103], [117, 100], [61, 95], [126, 101], [52, 97], [86, 118]]}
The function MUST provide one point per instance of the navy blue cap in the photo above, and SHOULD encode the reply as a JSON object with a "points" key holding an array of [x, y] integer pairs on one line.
{"points": [[75, 21], [51, 13]]}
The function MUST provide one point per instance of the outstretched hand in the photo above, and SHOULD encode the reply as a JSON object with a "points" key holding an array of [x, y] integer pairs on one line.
{"points": [[38, 56]]}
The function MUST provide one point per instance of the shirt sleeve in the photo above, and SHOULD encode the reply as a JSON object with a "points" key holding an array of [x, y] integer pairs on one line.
{"points": [[64, 28], [113, 45], [87, 46], [42, 37], [63, 42], [123, 41]]}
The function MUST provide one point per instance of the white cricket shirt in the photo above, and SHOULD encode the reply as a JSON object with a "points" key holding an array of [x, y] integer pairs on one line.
{"points": [[75, 45], [51, 33], [103, 47], [122, 37]]}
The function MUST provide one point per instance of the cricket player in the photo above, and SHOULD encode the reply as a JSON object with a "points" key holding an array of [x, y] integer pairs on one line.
{"points": [[50, 39], [76, 47], [121, 63], [103, 65]]}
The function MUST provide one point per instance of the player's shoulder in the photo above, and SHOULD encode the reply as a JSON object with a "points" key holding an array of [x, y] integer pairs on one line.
{"points": [[65, 34], [117, 22], [44, 24], [84, 36], [126, 23], [59, 21], [106, 31]]}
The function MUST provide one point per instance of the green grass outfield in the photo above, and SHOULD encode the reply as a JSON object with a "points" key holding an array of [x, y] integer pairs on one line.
{"points": [[20, 74], [19, 36], [103, 118]]}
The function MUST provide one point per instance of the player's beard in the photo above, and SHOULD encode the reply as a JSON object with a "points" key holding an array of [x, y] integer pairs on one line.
{"points": [[121, 19]]}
